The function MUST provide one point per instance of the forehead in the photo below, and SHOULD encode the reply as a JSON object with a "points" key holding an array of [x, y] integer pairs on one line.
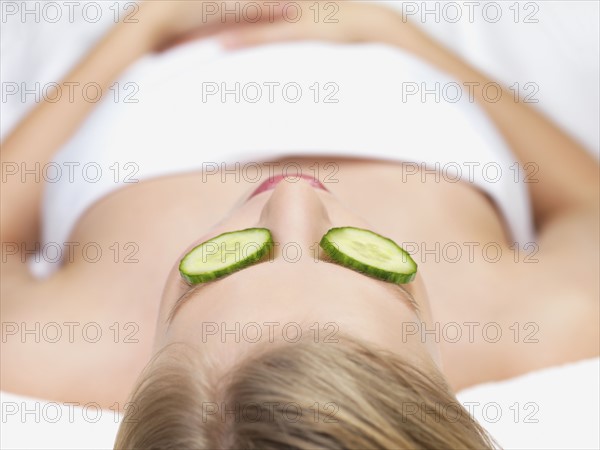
{"points": [[277, 303]]}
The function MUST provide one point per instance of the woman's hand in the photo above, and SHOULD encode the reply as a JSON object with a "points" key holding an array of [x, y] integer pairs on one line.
{"points": [[345, 21], [171, 22], [341, 21], [243, 23]]}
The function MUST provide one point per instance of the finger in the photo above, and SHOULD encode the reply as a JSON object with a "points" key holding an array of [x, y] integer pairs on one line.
{"points": [[220, 19], [261, 34]]}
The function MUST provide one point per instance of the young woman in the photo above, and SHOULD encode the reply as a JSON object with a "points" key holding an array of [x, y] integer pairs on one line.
{"points": [[368, 368]]}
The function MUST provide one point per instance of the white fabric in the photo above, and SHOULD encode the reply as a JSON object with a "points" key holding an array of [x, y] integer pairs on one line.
{"points": [[177, 127], [554, 44], [554, 408], [28, 423], [560, 53]]}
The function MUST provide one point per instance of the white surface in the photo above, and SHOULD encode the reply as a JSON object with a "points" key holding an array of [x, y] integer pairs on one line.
{"points": [[559, 53], [554, 408], [29, 423]]}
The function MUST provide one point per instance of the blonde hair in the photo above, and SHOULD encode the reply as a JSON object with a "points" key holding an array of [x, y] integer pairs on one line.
{"points": [[306, 395]]}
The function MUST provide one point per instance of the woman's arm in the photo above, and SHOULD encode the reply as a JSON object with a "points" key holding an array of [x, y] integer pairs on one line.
{"points": [[50, 124], [565, 198], [568, 175]]}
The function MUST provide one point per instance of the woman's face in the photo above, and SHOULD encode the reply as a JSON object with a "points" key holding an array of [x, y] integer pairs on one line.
{"points": [[295, 291]]}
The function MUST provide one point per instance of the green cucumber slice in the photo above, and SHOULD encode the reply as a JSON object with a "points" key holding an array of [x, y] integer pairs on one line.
{"points": [[369, 253], [225, 254]]}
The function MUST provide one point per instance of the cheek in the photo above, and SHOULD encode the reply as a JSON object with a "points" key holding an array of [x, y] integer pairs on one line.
{"points": [[245, 214], [340, 215]]}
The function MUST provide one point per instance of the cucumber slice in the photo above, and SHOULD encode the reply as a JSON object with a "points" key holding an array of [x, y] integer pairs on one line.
{"points": [[369, 253], [225, 254]]}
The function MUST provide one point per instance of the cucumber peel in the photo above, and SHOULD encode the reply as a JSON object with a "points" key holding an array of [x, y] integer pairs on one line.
{"points": [[369, 253]]}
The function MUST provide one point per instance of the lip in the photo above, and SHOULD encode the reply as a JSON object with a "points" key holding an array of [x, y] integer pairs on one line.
{"points": [[272, 182]]}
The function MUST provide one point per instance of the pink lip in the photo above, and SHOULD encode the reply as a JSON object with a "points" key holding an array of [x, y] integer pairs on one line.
{"points": [[270, 183]]}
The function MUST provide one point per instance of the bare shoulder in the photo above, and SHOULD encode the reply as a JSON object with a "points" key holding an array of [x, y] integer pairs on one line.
{"points": [[64, 334], [560, 287], [543, 303]]}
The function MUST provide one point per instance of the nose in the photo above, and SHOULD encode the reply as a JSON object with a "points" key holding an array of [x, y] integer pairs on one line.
{"points": [[296, 215]]}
